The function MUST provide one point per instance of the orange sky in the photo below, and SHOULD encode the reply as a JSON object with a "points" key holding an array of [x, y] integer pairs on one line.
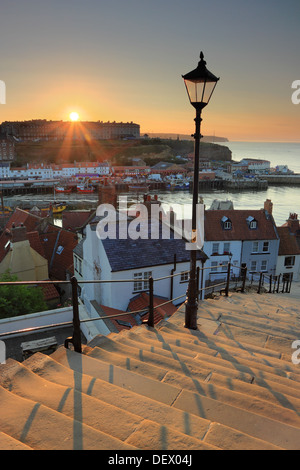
{"points": [[123, 61]]}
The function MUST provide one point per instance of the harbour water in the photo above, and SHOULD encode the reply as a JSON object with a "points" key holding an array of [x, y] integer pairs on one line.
{"points": [[286, 199]]}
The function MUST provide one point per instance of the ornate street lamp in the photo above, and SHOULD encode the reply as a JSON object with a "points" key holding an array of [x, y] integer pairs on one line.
{"points": [[200, 84]]}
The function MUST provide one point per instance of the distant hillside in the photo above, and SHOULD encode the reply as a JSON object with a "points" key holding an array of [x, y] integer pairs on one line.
{"points": [[206, 138], [117, 152]]}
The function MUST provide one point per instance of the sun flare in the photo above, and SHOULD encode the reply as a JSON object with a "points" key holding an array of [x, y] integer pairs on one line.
{"points": [[74, 116]]}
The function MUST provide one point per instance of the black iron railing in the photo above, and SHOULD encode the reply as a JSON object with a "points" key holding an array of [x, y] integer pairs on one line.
{"points": [[231, 281]]}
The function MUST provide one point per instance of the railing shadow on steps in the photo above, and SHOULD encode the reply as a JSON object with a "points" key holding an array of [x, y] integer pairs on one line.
{"points": [[230, 282]]}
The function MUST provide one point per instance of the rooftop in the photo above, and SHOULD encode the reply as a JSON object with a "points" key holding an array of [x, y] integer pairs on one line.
{"points": [[124, 254], [229, 385]]}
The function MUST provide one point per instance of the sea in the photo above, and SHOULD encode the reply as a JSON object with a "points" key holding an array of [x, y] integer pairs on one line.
{"points": [[285, 199]]}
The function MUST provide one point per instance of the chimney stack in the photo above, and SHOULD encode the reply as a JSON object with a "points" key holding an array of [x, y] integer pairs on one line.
{"points": [[19, 234], [268, 206], [293, 222]]}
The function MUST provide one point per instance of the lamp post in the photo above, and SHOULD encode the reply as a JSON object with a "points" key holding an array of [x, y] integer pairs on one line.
{"points": [[200, 84]]}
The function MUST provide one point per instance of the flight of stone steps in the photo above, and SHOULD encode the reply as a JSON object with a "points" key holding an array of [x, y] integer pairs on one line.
{"points": [[230, 385]]}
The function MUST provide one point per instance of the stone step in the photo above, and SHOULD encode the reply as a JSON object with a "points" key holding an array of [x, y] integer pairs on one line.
{"points": [[260, 302], [182, 371], [261, 324], [151, 342], [41, 428], [211, 347], [268, 429], [258, 426], [97, 414], [221, 345], [234, 336], [52, 371], [127, 355], [268, 391], [259, 306], [203, 429], [9, 443]]}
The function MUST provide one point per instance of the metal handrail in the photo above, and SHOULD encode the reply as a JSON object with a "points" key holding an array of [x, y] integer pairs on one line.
{"points": [[76, 338]]}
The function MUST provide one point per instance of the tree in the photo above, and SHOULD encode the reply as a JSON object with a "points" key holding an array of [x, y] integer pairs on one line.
{"points": [[18, 299]]}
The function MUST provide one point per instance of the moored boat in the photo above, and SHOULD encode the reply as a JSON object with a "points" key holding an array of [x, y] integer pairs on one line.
{"points": [[84, 188], [62, 189], [58, 208]]}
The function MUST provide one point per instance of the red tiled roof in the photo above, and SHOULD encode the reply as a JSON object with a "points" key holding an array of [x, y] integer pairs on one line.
{"points": [[58, 245], [35, 243], [288, 242], [19, 216], [141, 302], [126, 318], [50, 292], [72, 220], [240, 231]]}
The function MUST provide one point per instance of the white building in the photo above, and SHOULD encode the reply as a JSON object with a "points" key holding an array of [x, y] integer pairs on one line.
{"points": [[48, 171], [133, 261], [288, 261]]}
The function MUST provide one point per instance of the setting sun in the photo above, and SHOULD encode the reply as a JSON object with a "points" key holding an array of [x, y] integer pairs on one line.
{"points": [[74, 116]]}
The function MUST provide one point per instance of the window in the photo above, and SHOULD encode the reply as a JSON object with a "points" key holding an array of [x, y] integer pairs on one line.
{"points": [[214, 266], [265, 247], [184, 276], [226, 248], [289, 261], [255, 247], [253, 266], [226, 223], [252, 223], [141, 281], [264, 264], [224, 267], [215, 248], [59, 249]]}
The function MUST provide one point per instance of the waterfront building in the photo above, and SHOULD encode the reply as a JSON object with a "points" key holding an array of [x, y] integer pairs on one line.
{"points": [[4, 170], [41, 129], [288, 261], [242, 237], [48, 171], [7, 148]]}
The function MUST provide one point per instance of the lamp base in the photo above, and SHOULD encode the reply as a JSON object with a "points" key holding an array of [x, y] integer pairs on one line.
{"points": [[191, 310]]}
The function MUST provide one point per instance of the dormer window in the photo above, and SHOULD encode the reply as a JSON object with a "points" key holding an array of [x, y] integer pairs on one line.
{"points": [[252, 223], [226, 223]]}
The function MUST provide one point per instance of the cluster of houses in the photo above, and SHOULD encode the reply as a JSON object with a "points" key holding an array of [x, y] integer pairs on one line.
{"points": [[35, 249]]}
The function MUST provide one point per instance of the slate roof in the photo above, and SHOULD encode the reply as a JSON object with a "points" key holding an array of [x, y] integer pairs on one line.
{"points": [[214, 231], [135, 254]]}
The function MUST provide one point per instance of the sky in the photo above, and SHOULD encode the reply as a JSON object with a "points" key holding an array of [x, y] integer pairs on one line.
{"points": [[123, 60]]}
